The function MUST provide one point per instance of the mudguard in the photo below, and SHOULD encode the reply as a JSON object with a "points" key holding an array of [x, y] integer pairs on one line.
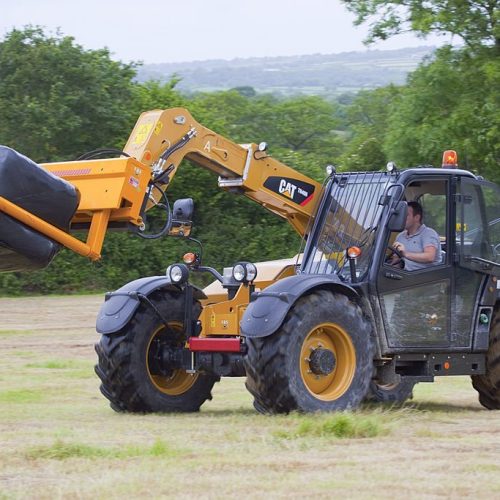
{"points": [[266, 313], [119, 306]]}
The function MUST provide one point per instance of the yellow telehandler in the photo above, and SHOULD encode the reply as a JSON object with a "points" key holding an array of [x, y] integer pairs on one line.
{"points": [[337, 325]]}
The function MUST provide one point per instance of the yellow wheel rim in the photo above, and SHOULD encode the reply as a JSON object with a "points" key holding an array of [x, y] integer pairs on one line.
{"points": [[330, 386], [179, 381]]}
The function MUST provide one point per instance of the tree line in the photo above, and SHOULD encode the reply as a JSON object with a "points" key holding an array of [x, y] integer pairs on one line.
{"points": [[58, 100]]}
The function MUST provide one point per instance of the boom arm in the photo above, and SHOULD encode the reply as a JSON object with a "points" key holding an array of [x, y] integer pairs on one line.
{"points": [[161, 139], [119, 190]]}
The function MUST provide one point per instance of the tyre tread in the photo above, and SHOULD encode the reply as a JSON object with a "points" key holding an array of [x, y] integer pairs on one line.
{"points": [[488, 385], [121, 385], [267, 379]]}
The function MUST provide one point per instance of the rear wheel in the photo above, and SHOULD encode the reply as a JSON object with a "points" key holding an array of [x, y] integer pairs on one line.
{"points": [[488, 385], [390, 393], [133, 374], [319, 360]]}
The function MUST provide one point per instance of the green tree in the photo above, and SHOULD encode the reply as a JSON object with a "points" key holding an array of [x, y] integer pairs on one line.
{"points": [[367, 117], [58, 100], [451, 102], [155, 95], [452, 99], [477, 23], [302, 122]]}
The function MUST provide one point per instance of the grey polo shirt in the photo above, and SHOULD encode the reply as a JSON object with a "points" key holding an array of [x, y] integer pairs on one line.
{"points": [[424, 237]]}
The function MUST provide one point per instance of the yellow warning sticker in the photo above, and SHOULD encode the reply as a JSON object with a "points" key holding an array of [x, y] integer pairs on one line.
{"points": [[142, 133], [158, 128]]}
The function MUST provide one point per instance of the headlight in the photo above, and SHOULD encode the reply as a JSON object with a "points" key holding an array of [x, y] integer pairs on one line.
{"points": [[239, 272], [178, 273], [251, 271], [244, 272]]}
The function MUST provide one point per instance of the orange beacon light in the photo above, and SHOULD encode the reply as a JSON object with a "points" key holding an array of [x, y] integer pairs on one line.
{"points": [[450, 159]]}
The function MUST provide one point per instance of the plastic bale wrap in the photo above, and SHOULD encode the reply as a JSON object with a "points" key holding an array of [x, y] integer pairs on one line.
{"points": [[41, 193]]}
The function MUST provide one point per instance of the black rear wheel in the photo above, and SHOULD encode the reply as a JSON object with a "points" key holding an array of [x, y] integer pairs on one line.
{"points": [[390, 393], [488, 385], [319, 360], [130, 365]]}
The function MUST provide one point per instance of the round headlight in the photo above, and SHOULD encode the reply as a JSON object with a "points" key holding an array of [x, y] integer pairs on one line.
{"points": [[244, 272], [239, 272], [391, 167], [178, 273], [251, 271]]}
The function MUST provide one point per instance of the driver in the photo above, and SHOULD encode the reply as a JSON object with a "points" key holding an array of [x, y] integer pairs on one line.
{"points": [[418, 244]]}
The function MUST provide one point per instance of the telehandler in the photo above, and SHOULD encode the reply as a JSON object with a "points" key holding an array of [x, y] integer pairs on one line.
{"points": [[324, 331]]}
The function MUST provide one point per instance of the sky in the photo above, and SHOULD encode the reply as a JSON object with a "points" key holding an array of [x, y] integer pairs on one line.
{"points": [[162, 31]]}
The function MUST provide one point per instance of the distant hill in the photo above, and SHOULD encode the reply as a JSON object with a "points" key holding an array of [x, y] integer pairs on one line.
{"points": [[317, 74]]}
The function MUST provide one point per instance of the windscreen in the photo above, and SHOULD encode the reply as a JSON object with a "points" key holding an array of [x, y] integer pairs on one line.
{"points": [[349, 218]]}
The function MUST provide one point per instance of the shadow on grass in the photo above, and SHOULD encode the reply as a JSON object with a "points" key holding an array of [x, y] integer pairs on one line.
{"points": [[443, 407], [388, 408], [417, 406], [216, 412]]}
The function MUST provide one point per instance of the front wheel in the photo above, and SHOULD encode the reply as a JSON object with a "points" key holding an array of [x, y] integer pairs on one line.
{"points": [[488, 385], [319, 360], [133, 373]]}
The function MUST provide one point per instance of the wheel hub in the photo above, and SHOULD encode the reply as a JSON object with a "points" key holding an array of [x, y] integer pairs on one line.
{"points": [[327, 361], [163, 364], [322, 361]]}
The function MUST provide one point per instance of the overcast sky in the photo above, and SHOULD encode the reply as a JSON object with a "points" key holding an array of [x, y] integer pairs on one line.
{"points": [[155, 31]]}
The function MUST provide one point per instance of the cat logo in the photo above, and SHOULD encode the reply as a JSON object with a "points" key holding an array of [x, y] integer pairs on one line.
{"points": [[287, 188], [297, 191]]}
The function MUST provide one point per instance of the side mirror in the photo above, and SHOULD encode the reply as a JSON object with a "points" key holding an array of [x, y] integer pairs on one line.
{"points": [[182, 213], [397, 219]]}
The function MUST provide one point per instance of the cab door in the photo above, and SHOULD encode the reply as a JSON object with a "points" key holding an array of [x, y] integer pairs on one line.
{"points": [[416, 305]]}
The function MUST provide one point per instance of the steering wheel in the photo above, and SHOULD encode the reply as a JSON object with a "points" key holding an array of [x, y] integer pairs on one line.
{"points": [[395, 251]]}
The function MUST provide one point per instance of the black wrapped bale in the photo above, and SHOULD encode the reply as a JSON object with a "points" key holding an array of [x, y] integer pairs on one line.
{"points": [[41, 193]]}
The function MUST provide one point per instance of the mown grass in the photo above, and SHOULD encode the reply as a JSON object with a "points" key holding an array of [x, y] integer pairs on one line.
{"points": [[60, 364], [8, 333], [21, 396], [340, 425], [60, 439], [61, 450], [65, 368]]}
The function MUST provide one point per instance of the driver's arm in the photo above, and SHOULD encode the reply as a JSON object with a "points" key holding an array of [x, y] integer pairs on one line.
{"points": [[430, 244], [425, 257]]}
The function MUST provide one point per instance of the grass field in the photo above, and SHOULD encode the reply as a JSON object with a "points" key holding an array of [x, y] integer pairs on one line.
{"points": [[60, 439]]}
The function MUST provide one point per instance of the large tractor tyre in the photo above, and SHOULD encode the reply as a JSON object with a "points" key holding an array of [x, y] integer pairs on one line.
{"points": [[390, 393], [488, 385], [133, 380], [321, 358]]}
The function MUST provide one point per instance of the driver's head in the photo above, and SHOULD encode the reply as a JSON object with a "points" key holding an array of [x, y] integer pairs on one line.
{"points": [[415, 215]]}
